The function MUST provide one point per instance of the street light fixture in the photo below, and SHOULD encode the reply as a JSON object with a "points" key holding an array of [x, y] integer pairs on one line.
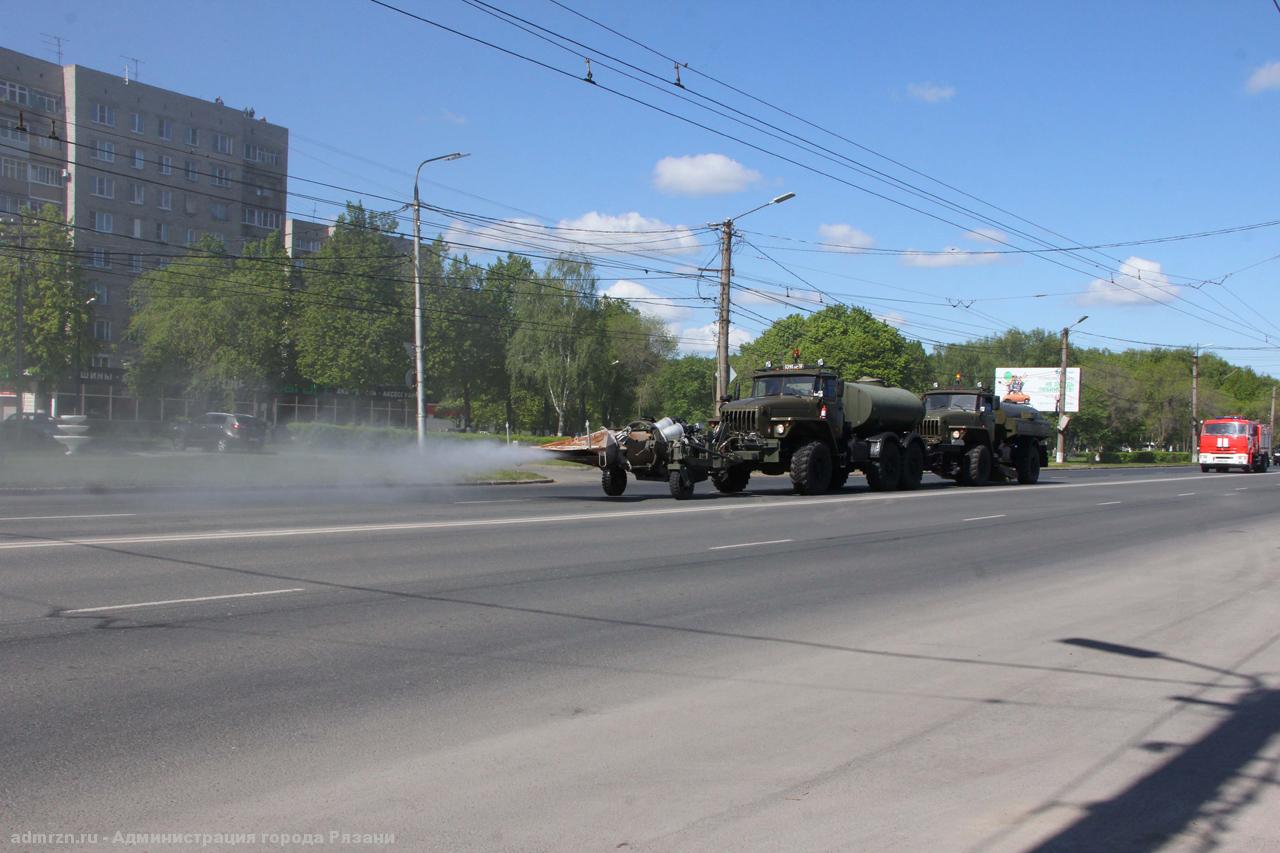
{"points": [[726, 266], [417, 297]]}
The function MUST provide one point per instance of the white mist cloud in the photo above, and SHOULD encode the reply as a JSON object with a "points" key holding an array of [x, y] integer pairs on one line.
{"points": [[702, 174], [654, 305], [931, 93], [1139, 281], [891, 318], [629, 231], [951, 256], [1264, 78], [702, 339], [839, 237]]}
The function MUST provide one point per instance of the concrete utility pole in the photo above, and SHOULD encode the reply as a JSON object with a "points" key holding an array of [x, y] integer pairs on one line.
{"points": [[19, 378], [1273, 411], [1061, 454], [1195, 401], [418, 331], [726, 273]]}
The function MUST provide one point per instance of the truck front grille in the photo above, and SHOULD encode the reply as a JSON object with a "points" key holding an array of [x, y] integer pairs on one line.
{"points": [[931, 428], [740, 420]]}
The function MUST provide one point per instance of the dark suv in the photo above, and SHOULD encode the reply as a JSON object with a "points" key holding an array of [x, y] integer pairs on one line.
{"points": [[221, 431]]}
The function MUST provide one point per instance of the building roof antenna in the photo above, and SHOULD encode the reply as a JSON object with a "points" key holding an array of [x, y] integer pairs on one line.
{"points": [[136, 62], [55, 43]]}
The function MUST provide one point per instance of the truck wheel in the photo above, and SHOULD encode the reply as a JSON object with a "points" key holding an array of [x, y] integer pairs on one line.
{"points": [[976, 470], [884, 473], [613, 480], [912, 467], [839, 476], [731, 480], [811, 469], [681, 485], [1028, 466], [1204, 469]]}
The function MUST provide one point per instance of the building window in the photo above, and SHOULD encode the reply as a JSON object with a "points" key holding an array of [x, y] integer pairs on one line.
{"points": [[164, 128], [259, 217], [139, 159], [193, 137], [9, 130], [102, 361], [100, 258], [137, 228], [137, 194], [47, 175], [102, 330], [219, 176], [222, 143], [135, 122], [104, 151], [103, 114], [48, 103], [104, 187], [218, 211], [12, 169], [101, 293], [166, 199], [162, 231], [191, 237], [166, 165], [15, 94], [189, 204], [102, 222], [135, 261], [193, 174], [255, 154]]}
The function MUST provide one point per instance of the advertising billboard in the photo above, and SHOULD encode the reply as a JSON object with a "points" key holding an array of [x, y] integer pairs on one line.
{"points": [[1038, 387]]}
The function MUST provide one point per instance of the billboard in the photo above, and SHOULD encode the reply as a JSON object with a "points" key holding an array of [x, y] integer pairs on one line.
{"points": [[1037, 386]]}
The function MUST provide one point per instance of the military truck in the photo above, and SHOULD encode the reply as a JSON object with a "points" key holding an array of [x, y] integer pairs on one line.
{"points": [[973, 437], [806, 421]]}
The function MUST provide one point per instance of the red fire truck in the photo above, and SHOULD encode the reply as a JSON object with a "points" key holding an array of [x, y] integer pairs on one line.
{"points": [[1235, 443]]}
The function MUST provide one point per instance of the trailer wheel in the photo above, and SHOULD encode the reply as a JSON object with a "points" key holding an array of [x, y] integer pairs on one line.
{"points": [[613, 480], [1028, 466], [681, 484], [839, 476], [976, 470], [912, 467], [731, 480], [811, 469], [884, 473]]}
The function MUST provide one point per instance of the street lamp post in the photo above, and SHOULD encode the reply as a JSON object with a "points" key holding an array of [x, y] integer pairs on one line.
{"points": [[726, 267], [417, 299], [79, 364], [1061, 455]]}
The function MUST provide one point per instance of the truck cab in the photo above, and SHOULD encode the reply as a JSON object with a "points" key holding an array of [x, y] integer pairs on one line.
{"points": [[1234, 442]]}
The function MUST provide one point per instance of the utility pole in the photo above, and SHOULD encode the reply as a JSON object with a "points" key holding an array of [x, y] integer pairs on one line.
{"points": [[1273, 411], [19, 378], [1195, 402], [722, 338], [1061, 455]]}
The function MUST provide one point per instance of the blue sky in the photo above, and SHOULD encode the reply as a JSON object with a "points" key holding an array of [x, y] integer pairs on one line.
{"points": [[1105, 122]]}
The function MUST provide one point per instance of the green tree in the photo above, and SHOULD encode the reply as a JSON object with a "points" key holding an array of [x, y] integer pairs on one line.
{"points": [[681, 388], [36, 251], [636, 346], [210, 323], [355, 308]]}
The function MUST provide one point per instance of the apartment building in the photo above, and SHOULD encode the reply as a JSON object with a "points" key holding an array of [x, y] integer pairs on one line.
{"points": [[139, 172]]}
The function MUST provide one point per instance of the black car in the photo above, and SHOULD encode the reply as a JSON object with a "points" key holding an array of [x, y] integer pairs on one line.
{"points": [[221, 431], [33, 426]]}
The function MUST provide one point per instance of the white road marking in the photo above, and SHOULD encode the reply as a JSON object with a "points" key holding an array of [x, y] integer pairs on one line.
{"points": [[985, 517], [1243, 489], [50, 517], [749, 544], [1185, 494], [496, 501], [1108, 503], [779, 504], [181, 601]]}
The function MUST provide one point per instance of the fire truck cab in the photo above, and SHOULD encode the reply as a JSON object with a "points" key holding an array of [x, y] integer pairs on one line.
{"points": [[1233, 442]]}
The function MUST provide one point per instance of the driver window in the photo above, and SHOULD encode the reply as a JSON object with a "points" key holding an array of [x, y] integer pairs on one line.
{"points": [[830, 388]]}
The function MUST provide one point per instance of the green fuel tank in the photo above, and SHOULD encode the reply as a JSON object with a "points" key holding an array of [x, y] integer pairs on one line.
{"points": [[871, 406]]}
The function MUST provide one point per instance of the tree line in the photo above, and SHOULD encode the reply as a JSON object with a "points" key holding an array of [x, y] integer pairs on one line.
{"points": [[506, 343]]}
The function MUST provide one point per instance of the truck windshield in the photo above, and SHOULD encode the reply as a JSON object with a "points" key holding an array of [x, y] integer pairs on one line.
{"points": [[777, 386], [1226, 429], [964, 402]]}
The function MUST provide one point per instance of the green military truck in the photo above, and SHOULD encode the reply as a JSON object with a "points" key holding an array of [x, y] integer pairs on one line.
{"points": [[973, 437], [806, 421]]}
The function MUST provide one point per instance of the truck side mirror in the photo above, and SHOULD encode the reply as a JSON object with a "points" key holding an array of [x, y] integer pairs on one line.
{"points": [[724, 398]]}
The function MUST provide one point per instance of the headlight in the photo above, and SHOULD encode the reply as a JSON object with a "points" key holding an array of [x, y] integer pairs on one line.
{"points": [[779, 429], [955, 433]]}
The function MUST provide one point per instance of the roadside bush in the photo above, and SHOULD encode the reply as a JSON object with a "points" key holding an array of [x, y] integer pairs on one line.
{"points": [[1141, 456]]}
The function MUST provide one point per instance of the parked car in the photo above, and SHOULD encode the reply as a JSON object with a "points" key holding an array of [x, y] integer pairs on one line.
{"points": [[35, 427], [221, 431]]}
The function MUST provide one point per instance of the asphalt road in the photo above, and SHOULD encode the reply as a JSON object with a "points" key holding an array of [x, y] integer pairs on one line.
{"points": [[1092, 663]]}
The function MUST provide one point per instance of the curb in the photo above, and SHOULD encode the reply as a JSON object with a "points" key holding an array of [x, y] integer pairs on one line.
{"points": [[107, 490]]}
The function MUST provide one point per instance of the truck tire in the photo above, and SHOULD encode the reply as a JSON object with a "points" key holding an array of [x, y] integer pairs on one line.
{"points": [[613, 480], [839, 476], [811, 469], [1028, 465], [912, 467], [884, 473], [1204, 469], [731, 480], [976, 469], [681, 484]]}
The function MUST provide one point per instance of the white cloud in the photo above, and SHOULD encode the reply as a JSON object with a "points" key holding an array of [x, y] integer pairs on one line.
{"points": [[931, 93], [472, 238], [654, 305], [702, 174], [951, 256], [453, 118], [703, 338], [891, 318], [1138, 282], [1266, 77], [630, 231], [845, 238], [987, 235]]}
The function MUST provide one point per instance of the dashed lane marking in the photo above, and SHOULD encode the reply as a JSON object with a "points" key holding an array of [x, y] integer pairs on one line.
{"points": [[179, 601], [749, 544], [986, 517]]}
